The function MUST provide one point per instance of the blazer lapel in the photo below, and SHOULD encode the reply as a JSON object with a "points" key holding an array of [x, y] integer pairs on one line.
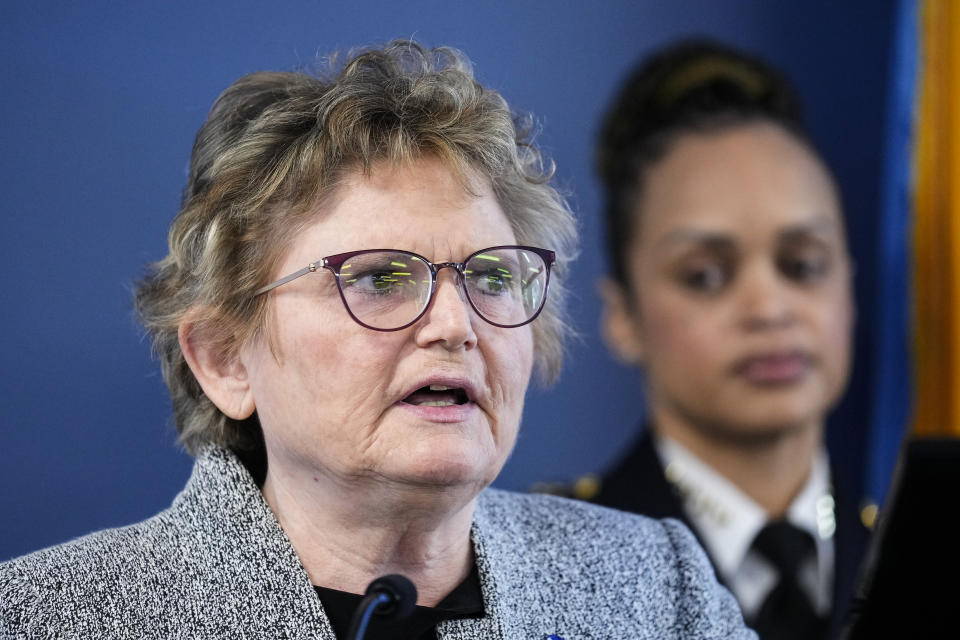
{"points": [[244, 567]]}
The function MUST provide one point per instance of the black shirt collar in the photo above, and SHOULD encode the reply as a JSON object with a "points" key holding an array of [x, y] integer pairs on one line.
{"points": [[465, 601]]}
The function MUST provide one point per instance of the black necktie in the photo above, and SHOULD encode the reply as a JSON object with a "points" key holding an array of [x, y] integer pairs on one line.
{"points": [[787, 613]]}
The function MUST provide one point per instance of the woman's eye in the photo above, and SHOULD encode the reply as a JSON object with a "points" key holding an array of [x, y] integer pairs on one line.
{"points": [[373, 282], [493, 283], [804, 268], [705, 279]]}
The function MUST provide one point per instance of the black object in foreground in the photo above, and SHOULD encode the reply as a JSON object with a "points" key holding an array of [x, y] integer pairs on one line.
{"points": [[392, 597], [909, 584]]}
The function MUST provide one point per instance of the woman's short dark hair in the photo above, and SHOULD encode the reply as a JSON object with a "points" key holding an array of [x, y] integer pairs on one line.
{"points": [[693, 86]]}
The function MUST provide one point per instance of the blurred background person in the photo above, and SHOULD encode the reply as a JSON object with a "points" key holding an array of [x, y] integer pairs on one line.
{"points": [[730, 289], [357, 291]]}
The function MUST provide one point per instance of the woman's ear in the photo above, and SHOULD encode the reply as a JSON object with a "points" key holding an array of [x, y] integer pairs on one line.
{"points": [[619, 324], [222, 376]]}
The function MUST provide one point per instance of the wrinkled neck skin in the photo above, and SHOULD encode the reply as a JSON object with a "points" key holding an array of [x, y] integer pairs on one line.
{"points": [[348, 532], [770, 468]]}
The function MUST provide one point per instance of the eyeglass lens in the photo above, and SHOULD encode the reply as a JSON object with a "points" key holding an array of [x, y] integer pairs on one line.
{"points": [[390, 289]]}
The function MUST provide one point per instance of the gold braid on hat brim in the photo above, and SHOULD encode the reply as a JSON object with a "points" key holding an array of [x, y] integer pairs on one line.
{"points": [[704, 70]]}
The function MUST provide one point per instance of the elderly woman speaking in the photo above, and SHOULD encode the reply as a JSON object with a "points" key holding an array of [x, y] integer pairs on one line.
{"points": [[365, 272]]}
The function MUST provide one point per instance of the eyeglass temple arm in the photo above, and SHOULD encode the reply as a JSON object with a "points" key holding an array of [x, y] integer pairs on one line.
{"points": [[310, 268]]}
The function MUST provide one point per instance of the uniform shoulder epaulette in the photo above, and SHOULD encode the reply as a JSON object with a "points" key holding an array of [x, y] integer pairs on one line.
{"points": [[584, 487]]}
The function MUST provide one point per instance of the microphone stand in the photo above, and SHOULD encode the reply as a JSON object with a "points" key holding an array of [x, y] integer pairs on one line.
{"points": [[391, 597]]}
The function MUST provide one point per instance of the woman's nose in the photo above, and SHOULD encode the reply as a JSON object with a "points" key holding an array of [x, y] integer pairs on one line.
{"points": [[449, 318], [766, 300]]}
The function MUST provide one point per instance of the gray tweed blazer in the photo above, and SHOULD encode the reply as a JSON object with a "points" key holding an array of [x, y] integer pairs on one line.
{"points": [[216, 564]]}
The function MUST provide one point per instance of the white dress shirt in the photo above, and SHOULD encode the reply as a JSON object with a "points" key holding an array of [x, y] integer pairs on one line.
{"points": [[728, 521]]}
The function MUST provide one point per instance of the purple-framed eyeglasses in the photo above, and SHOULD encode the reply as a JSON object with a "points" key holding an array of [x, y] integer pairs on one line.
{"points": [[390, 289]]}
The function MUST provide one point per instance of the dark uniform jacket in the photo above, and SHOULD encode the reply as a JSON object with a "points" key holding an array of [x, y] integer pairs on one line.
{"points": [[638, 484]]}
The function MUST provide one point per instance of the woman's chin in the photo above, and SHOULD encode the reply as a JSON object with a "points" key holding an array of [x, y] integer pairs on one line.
{"points": [[447, 466], [442, 472], [759, 427]]}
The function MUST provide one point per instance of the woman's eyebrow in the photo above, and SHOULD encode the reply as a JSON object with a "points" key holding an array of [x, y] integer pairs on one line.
{"points": [[711, 239], [818, 226]]}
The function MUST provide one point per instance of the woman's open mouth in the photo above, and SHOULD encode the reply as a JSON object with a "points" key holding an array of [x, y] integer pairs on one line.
{"points": [[437, 395], [444, 400]]}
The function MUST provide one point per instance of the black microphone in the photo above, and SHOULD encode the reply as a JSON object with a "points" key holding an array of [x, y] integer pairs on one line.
{"points": [[391, 597]]}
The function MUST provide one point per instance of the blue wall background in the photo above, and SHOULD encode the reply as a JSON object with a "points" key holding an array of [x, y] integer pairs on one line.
{"points": [[100, 103]]}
